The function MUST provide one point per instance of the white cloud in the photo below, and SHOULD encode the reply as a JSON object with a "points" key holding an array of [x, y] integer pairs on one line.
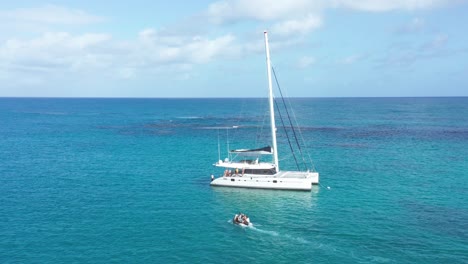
{"points": [[56, 52], [408, 55], [261, 10], [385, 5], [203, 50], [147, 34], [286, 18], [266, 10], [50, 49], [297, 26], [353, 59], [161, 47], [49, 14], [53, 56], [66, 53]]}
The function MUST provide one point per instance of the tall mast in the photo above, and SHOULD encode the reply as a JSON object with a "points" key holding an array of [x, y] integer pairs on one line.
{"points": [[272, 109]]}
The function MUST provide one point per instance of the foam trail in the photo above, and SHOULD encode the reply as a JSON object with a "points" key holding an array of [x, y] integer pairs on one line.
{"points": [[298, 239], [272, 233]]}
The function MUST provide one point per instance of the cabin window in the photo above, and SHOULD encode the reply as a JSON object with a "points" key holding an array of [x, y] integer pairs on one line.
{"points": [[274, 181], [232, 180], [260, 171]]}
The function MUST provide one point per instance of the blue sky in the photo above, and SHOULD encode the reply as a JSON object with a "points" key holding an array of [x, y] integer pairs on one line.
{"points": [[334, 48]]}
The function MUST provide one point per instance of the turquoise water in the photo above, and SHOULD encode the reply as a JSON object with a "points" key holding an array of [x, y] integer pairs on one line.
{"points": [[127, 181]]}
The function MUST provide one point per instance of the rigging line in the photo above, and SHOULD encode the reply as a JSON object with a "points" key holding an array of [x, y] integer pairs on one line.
{"points": [[302, 137], [289, 118], [286, 157], [219, 147], [227, 143], [287, 135]]}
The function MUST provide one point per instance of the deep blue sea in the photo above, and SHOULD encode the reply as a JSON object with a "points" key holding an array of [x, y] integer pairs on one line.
{"points": [[127, 181]]}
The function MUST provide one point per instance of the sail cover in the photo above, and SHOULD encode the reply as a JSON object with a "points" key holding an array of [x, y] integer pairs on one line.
{"points": [[260, 151]]}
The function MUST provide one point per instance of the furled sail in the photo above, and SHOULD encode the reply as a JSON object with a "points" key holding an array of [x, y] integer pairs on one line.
{"points": [[260, 151]]}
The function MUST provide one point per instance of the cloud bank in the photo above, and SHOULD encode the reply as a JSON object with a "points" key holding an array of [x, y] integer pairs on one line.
{"points": [[47, 49]]}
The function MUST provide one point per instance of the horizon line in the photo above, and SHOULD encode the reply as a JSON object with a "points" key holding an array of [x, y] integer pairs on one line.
{"points": [[221, 97]]}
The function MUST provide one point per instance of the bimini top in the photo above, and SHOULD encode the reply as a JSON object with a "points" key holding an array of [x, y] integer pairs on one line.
{"points": [[260, 151]]}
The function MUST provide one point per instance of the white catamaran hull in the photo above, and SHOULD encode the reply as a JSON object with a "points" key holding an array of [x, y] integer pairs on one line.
{"points": [[299, 181], [252, 173]]}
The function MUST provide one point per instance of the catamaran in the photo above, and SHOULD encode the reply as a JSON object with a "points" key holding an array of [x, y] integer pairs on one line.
{"points": [[247, 170]]}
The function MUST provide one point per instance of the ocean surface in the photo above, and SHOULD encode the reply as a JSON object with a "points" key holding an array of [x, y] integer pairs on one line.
{"points": [[127, 181]]}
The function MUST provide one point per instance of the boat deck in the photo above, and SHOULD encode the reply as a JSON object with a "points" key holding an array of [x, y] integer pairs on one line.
{"points": [[314, 176], [292, 174]]}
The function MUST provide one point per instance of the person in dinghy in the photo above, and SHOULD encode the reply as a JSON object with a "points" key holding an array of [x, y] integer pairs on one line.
{"points": [[241, 219]]}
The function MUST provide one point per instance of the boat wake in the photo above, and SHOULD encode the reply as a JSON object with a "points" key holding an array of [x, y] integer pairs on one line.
{"points": [[273, 233], [277, 234]]}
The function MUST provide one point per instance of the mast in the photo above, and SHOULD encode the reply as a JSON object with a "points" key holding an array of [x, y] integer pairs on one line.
{"points": [[270, 99]]}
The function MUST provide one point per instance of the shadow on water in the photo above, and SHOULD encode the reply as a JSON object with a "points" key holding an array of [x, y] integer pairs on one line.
{"points": [[247, 196]]}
